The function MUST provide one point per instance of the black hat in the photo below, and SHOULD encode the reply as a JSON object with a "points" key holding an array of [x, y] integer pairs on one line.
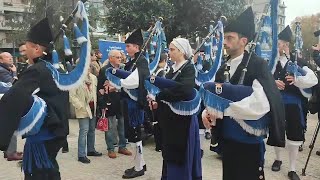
{"points": [[135, 37], [285, 34], [243, 25], [317, 33], [40, 33]]}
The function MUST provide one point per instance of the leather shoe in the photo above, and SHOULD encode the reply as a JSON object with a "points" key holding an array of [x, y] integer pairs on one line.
{"points": [[132, 174], [65, 150], [318, 153], [293, 175], [84, 160], [127, 170], [300, 148], [124, 151], [94, 153], [276, 166], [112, 154], [207, 135], [14, 157]]}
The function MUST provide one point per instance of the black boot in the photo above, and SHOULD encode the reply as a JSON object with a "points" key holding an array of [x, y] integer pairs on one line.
{"points": [[276, 166], [293, 175], [214, 138]]}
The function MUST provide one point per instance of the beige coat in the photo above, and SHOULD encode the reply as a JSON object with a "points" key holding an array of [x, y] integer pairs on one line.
{"points": [[80, 98]]}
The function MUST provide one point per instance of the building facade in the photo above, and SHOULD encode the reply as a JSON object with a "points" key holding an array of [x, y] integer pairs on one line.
{"points": [[10, 11], [259, 6]]}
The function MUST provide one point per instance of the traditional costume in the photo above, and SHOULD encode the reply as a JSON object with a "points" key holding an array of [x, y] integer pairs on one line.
{"points": [[131, 82], [294, 97], [178, 103], [248, 111], [35, 106]]}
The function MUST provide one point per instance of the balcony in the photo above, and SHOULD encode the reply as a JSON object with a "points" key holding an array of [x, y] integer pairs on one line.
{"points": [[14, 7]]}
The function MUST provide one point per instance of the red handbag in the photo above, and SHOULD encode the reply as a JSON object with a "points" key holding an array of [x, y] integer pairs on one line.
{"points": [[102, 123]]}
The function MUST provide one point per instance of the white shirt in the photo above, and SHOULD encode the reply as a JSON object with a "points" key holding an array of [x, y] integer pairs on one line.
{"points": [[177, 66], [252, 107], [234, 63], [307, 81]]}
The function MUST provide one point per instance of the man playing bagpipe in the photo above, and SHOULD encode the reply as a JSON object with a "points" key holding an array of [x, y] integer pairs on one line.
{"points": [[132, 82], [178, 102], [291, 84], [36, 108], [243, 111]]}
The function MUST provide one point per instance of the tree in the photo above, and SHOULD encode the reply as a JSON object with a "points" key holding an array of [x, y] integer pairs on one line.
{"points": [[309, 24], [187, 18]]}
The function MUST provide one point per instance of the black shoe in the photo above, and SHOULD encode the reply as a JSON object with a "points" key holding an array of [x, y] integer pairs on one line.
{"points": [[276, 166], [94, 153], [65, 150], [132, 174], [293, 175], [84, 160], [207, 135], [201, 153], [318, 153], [158, 149], [131, 169], [300, 148]]}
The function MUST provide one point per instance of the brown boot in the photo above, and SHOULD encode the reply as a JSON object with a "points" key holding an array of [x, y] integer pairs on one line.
{"points": [[112, 154], [124, 151], [14, 156]]}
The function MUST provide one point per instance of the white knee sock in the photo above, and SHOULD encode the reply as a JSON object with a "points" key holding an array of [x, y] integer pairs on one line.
{"points": [[201, 135], [277, 150], [138, 160], [293, 149]]}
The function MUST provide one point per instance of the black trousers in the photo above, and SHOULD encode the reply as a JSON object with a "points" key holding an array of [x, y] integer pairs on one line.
{"points": [[242, 161], [52, 146]]}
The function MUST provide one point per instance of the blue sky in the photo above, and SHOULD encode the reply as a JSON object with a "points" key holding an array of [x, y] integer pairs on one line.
{"points": [[300, 8]]}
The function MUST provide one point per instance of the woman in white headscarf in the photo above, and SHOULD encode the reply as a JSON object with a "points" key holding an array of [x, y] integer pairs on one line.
{"points": [[180, 134]]}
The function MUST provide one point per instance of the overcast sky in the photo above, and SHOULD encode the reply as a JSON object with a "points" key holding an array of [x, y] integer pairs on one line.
{"points": [[300, 8]]}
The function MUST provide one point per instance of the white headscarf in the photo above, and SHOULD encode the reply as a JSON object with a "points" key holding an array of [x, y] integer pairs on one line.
{"points": [[183, 45]]}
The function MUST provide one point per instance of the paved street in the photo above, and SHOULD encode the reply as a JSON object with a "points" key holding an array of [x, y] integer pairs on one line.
{"points": [[103, 168]]}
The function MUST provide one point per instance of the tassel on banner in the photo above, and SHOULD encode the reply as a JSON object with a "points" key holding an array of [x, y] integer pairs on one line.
{"points": [[67, 50], [79, 36], [55, 59]]}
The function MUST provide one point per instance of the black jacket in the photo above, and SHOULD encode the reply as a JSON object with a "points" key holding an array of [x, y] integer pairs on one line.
{"points": [[143, 71], [113, 98], [175, 128], [16, 102], [258, 69]]}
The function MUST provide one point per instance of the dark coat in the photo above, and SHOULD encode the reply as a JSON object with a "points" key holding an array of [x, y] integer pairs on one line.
{"points": [[16, 103], [113, 97], [6, 75], [258, 69], [175, 128]]}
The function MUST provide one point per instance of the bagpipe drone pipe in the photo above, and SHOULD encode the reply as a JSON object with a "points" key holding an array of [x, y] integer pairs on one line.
{"points": [[213, 52]]}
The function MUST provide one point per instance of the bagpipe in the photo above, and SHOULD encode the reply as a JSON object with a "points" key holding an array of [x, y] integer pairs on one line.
{"points": [[188, 107], [70, 80], [218, 97], [156, 40], [213, 51], [292, 66], [32, 121], [115, 75]]}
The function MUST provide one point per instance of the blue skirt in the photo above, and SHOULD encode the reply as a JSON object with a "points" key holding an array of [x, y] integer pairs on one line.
{"points": [[191, 169]]}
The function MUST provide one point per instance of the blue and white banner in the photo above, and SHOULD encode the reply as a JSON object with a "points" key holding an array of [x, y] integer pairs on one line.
{"points": [[106, 46]]}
